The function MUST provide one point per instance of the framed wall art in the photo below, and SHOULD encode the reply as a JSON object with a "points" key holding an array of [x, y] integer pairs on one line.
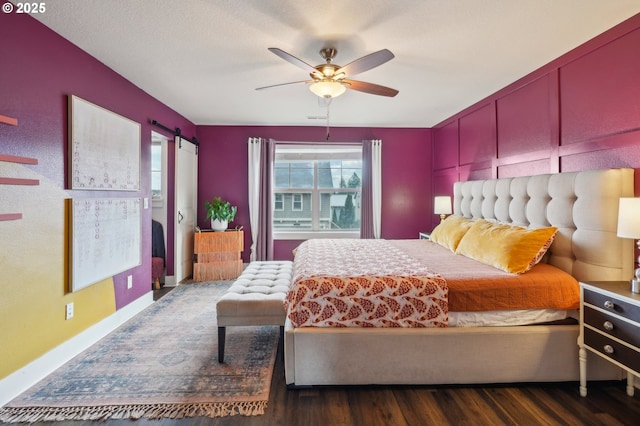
{"points": [[106, 238], [104, 148]]}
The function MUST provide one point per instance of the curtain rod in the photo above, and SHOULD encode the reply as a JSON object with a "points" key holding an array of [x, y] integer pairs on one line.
{"points": [[176, 132], [289, 142]]}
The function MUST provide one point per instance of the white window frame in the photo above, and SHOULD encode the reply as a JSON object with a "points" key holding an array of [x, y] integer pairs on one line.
{"points": [[158, 171], [157, 201], [316, 152]]}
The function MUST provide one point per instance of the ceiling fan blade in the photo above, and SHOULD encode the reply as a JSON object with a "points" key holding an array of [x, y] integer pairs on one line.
{"points": [[284, 84], [366, 63], [292, 59], [373, 89]]}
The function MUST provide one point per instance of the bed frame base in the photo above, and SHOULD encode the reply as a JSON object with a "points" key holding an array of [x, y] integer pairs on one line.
{"points": [[345, 356]]}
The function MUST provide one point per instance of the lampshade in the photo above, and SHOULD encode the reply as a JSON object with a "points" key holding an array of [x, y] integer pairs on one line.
{"points": [[442, 204], [629, 218], [327, 88]]}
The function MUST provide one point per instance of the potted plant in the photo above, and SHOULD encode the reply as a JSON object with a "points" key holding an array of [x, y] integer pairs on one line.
{"points": [[220, 212]]}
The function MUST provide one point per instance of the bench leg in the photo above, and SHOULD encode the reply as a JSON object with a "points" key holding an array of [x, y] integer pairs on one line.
{"points": [[221, 338], [282, 340]]}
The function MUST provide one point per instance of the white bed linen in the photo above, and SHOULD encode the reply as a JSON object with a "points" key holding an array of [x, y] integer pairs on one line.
{"points": [[507, 318]]}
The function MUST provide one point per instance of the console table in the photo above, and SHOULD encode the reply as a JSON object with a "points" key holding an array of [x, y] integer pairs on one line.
{"points": [[217, 255]]}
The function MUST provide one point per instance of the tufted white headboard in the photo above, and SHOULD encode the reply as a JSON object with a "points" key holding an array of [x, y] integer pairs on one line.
{"points": [[582, 205]]}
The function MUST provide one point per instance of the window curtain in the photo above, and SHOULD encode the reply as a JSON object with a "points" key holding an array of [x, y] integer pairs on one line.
{"points": [[261, 155], [371, 207]]}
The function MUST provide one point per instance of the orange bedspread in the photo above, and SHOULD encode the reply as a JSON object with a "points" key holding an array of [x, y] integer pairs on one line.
{"points": [[474, 286]]}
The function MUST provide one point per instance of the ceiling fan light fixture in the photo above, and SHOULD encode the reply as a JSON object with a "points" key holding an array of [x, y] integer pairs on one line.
{"points": [[327, 88]]}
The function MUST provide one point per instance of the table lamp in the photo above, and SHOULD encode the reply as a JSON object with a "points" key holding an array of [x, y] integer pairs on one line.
{"points": [[629, 227], [442, 206]]}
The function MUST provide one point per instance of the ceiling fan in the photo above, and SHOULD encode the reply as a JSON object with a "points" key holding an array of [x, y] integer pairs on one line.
{"points": [[329, 80]]}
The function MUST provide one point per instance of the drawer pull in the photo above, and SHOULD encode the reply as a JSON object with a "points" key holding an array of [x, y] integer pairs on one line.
{"points": [[608, 325], [608, 349], [608, 304]]}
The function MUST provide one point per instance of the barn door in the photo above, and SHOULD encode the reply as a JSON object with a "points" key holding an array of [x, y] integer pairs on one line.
{"points": [[186, 190]]}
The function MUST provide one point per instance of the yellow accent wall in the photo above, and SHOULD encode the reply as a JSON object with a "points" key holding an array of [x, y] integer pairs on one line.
{"points": [[34, 273]]}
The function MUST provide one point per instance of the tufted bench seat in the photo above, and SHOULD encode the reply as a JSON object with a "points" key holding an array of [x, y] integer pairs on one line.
{"points": [[255, 298]]}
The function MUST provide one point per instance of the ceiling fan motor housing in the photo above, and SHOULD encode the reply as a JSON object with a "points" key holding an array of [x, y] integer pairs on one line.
{"points": [[328, 53], [327, 71]]}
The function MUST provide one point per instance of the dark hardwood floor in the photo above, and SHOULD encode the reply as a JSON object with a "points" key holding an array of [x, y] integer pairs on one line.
{"points": [[525, 404], [157, 294]]}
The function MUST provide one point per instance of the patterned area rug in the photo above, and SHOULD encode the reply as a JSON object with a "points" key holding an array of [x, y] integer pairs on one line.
{"points": [[161, 363]]}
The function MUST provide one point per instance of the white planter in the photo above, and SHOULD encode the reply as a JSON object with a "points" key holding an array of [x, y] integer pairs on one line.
{"points": [[219, 225]]}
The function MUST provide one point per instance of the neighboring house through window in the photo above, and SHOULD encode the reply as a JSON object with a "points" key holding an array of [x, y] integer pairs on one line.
{"points": [[317, 191]]}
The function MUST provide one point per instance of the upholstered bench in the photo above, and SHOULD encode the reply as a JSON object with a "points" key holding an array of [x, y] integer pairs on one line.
{"points": [[255, 298]]}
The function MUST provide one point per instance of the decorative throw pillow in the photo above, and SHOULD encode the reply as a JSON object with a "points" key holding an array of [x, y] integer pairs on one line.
{"points": [[450, 231], [513, 249]]}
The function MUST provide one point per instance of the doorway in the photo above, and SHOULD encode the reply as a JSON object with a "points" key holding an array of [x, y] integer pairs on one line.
{"points": [[159, 192]]}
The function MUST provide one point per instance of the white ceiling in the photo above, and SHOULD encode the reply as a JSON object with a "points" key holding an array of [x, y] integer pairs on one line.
{"points": [[204, 58]]}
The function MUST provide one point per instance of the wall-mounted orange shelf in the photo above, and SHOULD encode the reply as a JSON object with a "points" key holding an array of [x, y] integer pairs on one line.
{"points": [[8, 120], [18, 159], [18, 181], [15, 181]]}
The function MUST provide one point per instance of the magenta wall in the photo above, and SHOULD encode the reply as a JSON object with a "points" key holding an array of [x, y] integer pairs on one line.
{"points": [[406, 156], [39, 70], [579, 112]]}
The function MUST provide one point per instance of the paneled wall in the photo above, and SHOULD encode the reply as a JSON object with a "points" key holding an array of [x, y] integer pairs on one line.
{"points": [[579, 112]]}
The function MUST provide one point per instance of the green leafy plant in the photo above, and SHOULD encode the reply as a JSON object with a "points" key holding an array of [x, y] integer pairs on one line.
{"points": [[220, 210]]}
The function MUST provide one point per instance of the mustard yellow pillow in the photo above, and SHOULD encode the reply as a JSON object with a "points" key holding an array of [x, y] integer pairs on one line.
{"points": [[513, 249], [450, 231]]}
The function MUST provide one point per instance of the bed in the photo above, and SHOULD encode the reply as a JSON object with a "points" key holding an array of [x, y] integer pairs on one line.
{"points": [[444, 341]]}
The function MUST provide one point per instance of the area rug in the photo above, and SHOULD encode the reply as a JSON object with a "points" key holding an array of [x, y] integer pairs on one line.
{"points": [[161, 363]]}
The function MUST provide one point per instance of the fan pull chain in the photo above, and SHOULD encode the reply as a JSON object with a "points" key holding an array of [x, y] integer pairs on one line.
{"points": [[328, 105]]}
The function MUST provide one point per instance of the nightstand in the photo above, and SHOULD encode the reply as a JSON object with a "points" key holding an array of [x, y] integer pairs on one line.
{"points": [[609, 327], [424, 235]]}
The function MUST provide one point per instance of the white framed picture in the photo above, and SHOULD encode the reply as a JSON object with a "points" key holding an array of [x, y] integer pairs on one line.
{"points": [[104, 149], [106, 238]]}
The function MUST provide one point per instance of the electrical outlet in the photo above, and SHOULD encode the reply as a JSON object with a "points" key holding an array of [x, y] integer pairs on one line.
{"points": [[129, 281], [68, 311]]}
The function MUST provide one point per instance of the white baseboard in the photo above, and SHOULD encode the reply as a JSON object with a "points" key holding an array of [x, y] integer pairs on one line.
{"points": [[18, 382]]}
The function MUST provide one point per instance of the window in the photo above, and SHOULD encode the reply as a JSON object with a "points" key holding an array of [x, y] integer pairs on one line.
{"points": [[156, 170], [317, 190], [296, 202], [278, 203]]}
